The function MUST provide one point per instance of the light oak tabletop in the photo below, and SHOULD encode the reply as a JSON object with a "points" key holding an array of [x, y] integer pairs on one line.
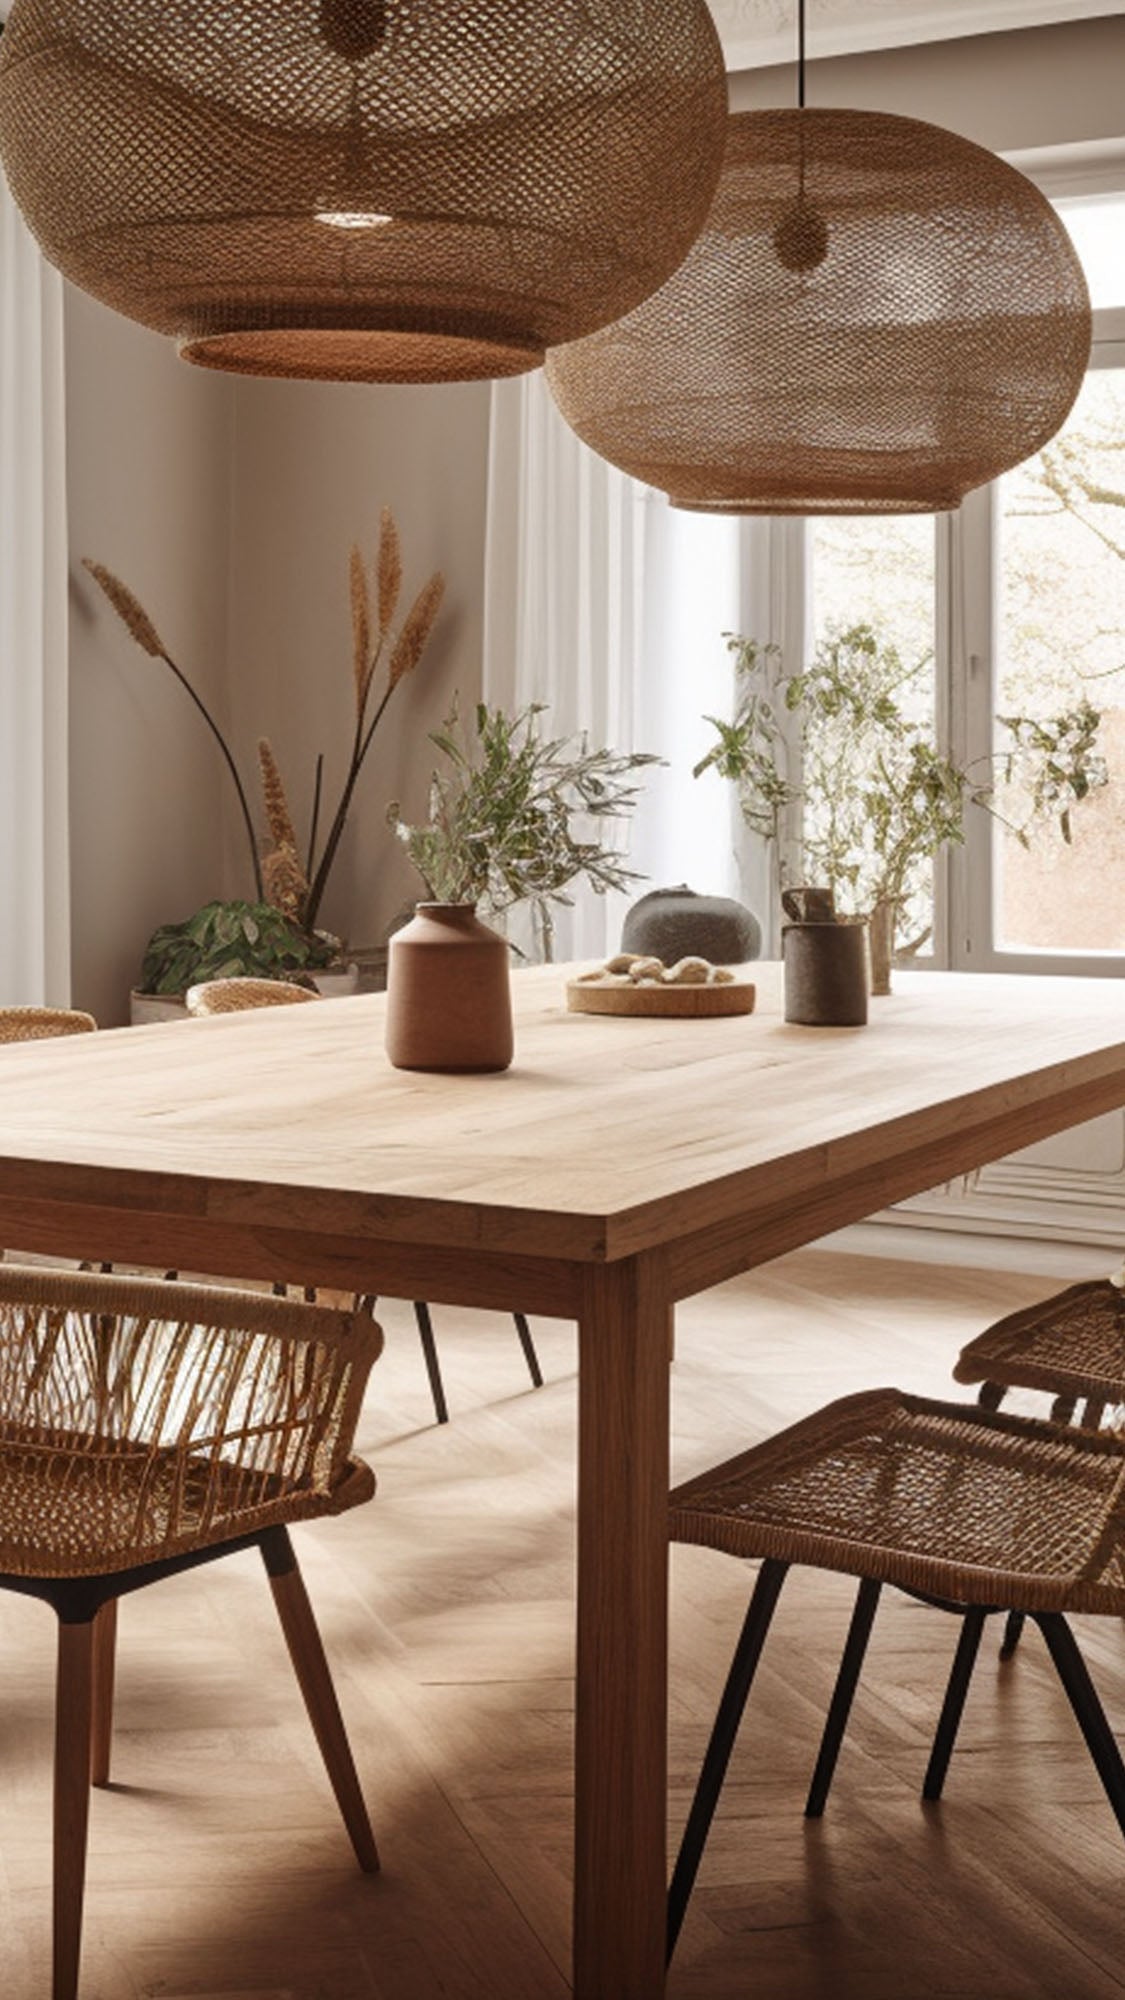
{"points": [[606, 1137]]}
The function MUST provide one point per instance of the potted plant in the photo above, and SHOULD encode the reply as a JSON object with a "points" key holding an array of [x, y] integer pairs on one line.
{"points": [[277, 933], [514, 817], [836, 771]]}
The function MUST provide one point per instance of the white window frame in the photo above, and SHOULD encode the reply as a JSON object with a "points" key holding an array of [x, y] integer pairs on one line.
{"points": [[967, 649]]}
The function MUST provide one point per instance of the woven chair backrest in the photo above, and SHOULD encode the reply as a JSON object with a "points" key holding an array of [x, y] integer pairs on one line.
{"points": [[236, 996], [207, 1398], [38, 1024]]}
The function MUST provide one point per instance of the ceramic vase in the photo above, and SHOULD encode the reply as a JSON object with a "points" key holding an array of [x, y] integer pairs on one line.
{"points": [[680, 923], [826, 974], [449, 1000]]}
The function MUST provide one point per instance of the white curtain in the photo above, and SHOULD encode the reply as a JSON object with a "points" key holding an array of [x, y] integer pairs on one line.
{"points": [[34, 901], [610, 607]]}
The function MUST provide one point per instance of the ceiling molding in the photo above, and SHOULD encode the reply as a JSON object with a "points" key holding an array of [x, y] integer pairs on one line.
{"points": [[759, 32]]}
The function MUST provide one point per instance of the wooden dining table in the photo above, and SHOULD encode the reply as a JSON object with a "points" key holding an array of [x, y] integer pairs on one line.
{"points": [[619, 1166]]}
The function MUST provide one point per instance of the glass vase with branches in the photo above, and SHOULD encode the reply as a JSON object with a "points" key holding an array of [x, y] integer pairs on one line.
{"points": [[837, 774]]}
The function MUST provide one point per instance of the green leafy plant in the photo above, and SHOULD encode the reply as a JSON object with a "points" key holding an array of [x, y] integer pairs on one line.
{"points": [[290, 875], [229, 941], [836, 770], [506, 815]]}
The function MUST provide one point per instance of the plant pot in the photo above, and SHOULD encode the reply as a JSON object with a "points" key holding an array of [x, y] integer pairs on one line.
{"points": [[449, 1000], [144, 1008], [336, 982]]}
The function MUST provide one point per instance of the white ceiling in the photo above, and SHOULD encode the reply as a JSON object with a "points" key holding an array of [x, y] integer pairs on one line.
{"points": [[764, 31]]}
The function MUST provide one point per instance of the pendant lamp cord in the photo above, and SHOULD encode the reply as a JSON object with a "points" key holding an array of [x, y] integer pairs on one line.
{"points": [[800, 55]]}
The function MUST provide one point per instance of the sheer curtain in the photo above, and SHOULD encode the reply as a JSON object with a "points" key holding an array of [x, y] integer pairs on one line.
{"points": [[34, 901], [610, 607]]}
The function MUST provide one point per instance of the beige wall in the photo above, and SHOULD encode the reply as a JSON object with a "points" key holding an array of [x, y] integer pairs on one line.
{"points": [[229, 508], [314, 464], [148, 494]]}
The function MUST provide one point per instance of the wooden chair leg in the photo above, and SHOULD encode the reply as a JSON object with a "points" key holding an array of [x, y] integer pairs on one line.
{"points": [[743, 1667], [73, 1714], [430, 1354], [315, 1680], [105, 1659]]}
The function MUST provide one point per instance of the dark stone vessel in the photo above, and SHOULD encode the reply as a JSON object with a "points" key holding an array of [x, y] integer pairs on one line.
{"points": [[678, 923]]}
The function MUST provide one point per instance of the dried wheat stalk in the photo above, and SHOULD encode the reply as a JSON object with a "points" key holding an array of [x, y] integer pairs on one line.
{"points": [[389, 571], [363, 660], [132, 615], [411, 641], [278, 815]]}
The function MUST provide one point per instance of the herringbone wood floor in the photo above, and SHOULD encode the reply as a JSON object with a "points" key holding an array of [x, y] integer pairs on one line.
{"points": [[218, 1869]]}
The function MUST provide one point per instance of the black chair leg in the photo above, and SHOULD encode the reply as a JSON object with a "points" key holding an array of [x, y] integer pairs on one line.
{"points": [[529, 1354], [843, 1694], [1013, 1626], [952, 1708], [430, 1354], [1089, 1713], [747, 1653]]}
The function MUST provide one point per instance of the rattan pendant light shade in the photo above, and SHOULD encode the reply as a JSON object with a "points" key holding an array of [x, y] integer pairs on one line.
{"points": [[877, 317], [387, 190]]}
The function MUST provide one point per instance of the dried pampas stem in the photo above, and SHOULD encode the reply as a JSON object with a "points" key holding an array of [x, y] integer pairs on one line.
{"points": [[132, 615], [363, 664], [389, 570], [411, 641], [137, 621], [286, 883], [278, 815]]}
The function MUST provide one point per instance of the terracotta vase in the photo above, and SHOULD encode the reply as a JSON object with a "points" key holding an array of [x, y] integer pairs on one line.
{"points": [[449, 1000]]}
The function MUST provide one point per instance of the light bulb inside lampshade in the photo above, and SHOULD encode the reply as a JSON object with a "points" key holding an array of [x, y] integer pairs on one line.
{"points": [[876, 317], [545, 163], [351, 218]]}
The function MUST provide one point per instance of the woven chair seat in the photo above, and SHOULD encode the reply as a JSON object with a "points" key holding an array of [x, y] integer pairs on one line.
{"points": [[1072, 1345], [69, 1509], [965, 1505]]}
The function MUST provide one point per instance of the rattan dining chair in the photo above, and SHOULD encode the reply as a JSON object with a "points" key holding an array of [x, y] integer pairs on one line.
{"points": [[232, 996], [235, 995], [146, 1428], [973, 1511], [1071, 1347], [39, 1024]]}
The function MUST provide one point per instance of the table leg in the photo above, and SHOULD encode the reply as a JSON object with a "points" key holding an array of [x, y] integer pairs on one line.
{"points": [[621, 1697]]}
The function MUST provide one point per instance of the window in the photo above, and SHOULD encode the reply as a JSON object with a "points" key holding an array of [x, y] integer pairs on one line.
{"points": [[1015, 606], [1038, 625]]}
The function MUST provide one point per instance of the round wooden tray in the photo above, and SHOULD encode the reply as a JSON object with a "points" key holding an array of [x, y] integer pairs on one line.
{"points": [[692, 1003]]}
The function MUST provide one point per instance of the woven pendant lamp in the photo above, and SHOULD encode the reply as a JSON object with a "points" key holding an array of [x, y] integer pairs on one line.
{"points": [[373, 190], [877, 317]]}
